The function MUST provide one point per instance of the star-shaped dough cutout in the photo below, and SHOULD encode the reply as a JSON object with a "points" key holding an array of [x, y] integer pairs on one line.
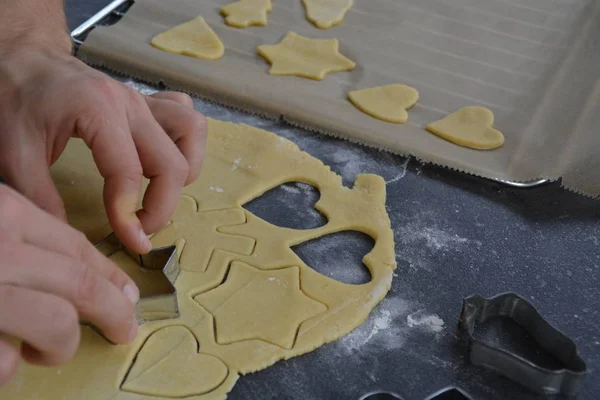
{"points": [[197, 235], [305, 57], [255, 304], [245, 13], [193, 38]]}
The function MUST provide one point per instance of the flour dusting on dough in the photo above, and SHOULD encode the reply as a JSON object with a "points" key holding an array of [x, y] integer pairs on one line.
{"points": [[215, 189], [236, 163]]}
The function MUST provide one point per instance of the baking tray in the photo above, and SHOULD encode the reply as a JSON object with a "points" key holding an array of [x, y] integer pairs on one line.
{"points": [[533, 63]]}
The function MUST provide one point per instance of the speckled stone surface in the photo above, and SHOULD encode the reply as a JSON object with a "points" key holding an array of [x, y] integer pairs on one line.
{"points": [[455, 235]]}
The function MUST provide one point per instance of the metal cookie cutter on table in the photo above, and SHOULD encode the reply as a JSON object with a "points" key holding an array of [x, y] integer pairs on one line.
{"points": [[568, 380], [154, 306]]}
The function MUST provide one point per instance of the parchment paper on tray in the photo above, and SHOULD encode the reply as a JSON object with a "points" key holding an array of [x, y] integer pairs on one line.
{"points": [[534, 63]]}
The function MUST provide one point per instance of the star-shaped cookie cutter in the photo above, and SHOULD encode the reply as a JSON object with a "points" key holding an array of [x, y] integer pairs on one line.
{"points": [[155, 306]]}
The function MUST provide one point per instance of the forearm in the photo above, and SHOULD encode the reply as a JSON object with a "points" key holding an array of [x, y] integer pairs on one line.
{"points": [[35, 24]]}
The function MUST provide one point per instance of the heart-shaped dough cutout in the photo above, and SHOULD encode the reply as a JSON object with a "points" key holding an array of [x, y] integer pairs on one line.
{"points": [[469, 127], [169, 365], [388, 103], [193, 38]]}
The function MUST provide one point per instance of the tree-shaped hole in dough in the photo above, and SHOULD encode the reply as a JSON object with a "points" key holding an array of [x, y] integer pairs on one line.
{"points": [[289, 205], [338, 256]]}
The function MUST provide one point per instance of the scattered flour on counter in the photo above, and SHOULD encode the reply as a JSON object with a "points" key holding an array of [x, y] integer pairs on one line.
{"points": [[420, 238], [431, 323], [215, 189], [304, 186], [402, 174], [379, 330], [236, 163], [290, 188], [434, 238]]}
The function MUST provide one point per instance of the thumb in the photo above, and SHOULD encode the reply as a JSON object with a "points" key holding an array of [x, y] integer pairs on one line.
{"points": [[30, 175]]}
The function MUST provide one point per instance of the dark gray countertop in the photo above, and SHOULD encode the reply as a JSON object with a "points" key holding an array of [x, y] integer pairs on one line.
{"points": [[455, 235]]}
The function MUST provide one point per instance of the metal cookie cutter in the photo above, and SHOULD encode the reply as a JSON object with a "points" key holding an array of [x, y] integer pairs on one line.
{"points": [[567, 380], [154, 306]]}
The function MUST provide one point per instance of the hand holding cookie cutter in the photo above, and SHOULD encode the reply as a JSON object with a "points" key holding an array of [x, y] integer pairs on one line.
{"points": [[568, 380], [156, 306]]}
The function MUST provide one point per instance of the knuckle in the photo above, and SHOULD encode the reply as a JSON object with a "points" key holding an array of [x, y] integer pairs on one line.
{"points": [[8, 368], [106, 87], [64, 330], [81, 247], [131, 172], [7, 294], [182, 98], [195, 124], [11, 206], [181, 169], [88, 288]]}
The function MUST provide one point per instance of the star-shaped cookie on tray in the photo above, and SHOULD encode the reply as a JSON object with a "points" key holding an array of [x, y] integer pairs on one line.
{"points": [[305, 57]]}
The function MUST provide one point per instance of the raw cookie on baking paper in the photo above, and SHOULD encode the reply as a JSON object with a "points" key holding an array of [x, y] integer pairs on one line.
{"points": [[326, 13], [305, 57], [469, 127], [387, 103], [245, 13], [193, 38]]}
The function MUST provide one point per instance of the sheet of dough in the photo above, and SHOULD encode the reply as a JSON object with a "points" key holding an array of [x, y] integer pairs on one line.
{"points": [[238, 272], [531, 64]]}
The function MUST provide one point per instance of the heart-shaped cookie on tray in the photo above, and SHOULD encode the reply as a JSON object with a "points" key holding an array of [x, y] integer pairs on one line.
{"points": [[469, 127], [388, 103]]}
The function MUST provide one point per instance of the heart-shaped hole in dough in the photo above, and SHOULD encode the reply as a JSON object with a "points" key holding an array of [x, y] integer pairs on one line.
{"points": [[338, 256], [469, 127], [289, 205]]}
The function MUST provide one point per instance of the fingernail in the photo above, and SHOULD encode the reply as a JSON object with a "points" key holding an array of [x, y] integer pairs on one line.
{"points": [[132, 293], [145, 241], [133, 330]]}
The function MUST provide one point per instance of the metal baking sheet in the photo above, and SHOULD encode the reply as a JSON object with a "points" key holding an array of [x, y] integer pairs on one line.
{"points": [[533, 63]]}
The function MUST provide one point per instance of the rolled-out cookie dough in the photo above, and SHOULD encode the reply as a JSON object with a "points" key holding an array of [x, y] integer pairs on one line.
{"points": [[246, 300], [469, 127], [387, 103]]}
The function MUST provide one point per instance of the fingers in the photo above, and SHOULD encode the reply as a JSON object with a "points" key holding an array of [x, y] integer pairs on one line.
{"points": [[28, 172], [21, 220], [107, 134], [185, 126], [163, 164], [177, 97], [9, 361], [45, 322], [95, 298]]}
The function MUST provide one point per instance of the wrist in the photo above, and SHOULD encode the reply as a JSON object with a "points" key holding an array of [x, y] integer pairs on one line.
{"points": [[32, 26]]}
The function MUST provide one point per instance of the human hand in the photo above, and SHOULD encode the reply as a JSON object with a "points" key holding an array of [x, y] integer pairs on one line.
{"points": [[48, 96], [50, 276]]}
